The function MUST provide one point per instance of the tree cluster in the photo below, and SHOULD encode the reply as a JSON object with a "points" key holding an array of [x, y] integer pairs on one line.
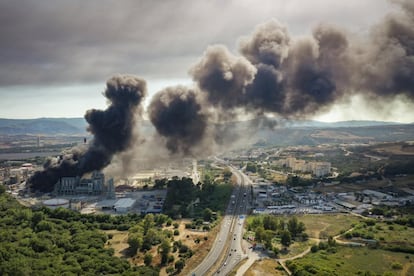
{"points": [[58, 242], [185, 199], [149, 234], [268, 227]]}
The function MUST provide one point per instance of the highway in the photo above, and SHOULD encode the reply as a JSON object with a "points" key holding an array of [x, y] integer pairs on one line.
{"points": [[228, 240]]}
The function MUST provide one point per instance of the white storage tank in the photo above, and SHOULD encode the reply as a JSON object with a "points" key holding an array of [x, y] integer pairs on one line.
{"points": [[56, 203]]}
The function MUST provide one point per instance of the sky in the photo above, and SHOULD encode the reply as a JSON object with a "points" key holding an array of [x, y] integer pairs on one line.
{"points": [[56, 56]]}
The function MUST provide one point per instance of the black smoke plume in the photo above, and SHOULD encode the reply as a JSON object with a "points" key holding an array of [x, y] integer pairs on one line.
{"points": [[387, 63], [297, 77], [113, 131], [269, 44], [177, 115], [223, 77]]}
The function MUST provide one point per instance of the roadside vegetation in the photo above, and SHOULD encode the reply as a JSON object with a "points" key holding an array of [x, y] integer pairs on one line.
{"points": [[203, 200], [276, 234]]}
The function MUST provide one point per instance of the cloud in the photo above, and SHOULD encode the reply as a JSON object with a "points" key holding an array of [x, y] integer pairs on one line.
{"points": [[67, 42]]}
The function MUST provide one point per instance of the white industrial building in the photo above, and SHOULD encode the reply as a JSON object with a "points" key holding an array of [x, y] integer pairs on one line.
{"points": [[124, 205]]}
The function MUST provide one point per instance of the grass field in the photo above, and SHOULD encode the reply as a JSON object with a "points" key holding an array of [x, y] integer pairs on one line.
{"points": [[119, 242], [265, 267], [351, 261], [389, 235], [294, 249], [325, 225]]}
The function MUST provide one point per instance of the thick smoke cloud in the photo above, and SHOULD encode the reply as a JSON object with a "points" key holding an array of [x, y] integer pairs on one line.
{"points": [[388, 61], [269, 44], [223, 77], [275, 73], [299, 77], [295, 77], [177, 115], [113, 131]]}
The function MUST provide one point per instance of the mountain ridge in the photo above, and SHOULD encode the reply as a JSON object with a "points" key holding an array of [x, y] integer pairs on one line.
{"points": [[78, 125]]}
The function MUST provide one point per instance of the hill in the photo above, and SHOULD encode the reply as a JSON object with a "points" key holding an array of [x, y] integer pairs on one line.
{"points": [[45, 126], [263, 130]]}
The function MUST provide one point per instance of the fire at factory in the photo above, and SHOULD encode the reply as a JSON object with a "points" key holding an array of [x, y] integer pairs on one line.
{"points": [[274, 74]]}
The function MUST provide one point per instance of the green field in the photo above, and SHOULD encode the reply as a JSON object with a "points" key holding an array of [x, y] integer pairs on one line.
{"points": [[323, 226], [354, 261], [391, 236]]}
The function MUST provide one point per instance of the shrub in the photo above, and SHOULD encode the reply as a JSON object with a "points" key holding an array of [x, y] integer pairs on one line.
{"points": [[183, 248], [176, 232], [370, 222], [179, 265], [147, 259], [169, 270], [396, 265], [170, 259]]}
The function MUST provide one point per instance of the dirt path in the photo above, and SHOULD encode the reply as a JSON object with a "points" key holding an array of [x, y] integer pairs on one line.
{"points": [[406, 268]]}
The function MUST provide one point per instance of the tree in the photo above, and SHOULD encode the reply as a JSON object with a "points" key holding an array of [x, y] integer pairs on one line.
{"points": [[295, 227], [285, 238], [148, 223], [207, 214], [255, 223], [260, 233], [179, 265], [37, 217], [134, 242], [160, 183], [270, 223], [275, 250], [227, 173], [151, 238], [292, 226], [160, 219], [148, 259], [2, 189], [331, 241], [164, 248], [251, 167]]}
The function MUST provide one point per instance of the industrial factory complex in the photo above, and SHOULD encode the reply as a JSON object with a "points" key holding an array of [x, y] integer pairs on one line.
{"points": [[97, 193]]}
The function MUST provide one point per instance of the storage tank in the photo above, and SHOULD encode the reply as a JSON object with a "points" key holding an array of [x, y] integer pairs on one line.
{"points": [[56, 203]]}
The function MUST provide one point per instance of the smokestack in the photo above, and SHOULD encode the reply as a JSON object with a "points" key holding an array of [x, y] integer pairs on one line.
{"points": [[112, 129]]}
